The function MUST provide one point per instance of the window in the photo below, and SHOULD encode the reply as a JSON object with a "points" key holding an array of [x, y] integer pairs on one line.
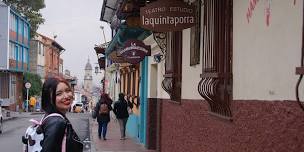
{"points": [[12, 52], [4, 85], [20, 54], [168, 59], [195, 37], [42, 50], [17, 52], [25, 55], [25, 31], [216, 78], [12, 22], [20, 27], [39, 48], [173, 61], [13, 87]]}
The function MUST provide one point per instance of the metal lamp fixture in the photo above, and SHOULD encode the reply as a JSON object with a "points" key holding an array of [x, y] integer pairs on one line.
{"points": [[97, 70]]}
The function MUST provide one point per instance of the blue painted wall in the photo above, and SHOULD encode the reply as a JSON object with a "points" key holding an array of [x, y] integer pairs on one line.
{"points": [[133, 127], [143, 100], [136, 126], [24, 47]]}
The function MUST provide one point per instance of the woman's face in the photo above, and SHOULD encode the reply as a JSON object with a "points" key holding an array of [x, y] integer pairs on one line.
{"points": [[64, 97]]}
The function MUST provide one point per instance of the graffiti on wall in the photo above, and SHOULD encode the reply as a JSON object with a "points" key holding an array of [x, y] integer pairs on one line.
{"points": [[267, 10], [250, 9]]}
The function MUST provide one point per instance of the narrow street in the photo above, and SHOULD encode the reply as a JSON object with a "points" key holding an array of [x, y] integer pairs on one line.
{"points": [[10, 139], [15, 128], [85, 127]]}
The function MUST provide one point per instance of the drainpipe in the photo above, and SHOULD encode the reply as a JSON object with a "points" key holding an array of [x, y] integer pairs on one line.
{"points": [[300, 70]]}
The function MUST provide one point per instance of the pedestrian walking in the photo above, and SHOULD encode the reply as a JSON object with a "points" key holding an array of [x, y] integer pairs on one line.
{"points": [[59, 135], [32, 104], [102, 111], [122, 114]]}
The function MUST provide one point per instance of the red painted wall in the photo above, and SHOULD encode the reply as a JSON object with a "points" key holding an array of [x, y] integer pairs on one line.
{"points": [[257, 126]]}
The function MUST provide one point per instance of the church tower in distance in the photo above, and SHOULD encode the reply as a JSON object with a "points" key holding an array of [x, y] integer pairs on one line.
{"points": [[88, 80]]}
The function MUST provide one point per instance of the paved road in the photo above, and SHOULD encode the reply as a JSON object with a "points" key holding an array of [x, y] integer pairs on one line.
{"points": [[14, 129]]}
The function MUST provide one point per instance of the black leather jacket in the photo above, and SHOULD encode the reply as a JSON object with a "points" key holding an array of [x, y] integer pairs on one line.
{"points": [[121, 109], [54, 129]]}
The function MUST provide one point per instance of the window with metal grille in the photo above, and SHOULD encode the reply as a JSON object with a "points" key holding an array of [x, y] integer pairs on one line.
{"points": [[173, 61], [196, 37], [216, 78]]}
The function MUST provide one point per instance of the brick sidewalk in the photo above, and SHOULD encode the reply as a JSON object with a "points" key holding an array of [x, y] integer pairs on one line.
{"points": [[113, 142]]}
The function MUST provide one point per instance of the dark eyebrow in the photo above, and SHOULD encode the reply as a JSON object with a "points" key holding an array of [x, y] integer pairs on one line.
{"points": [[59, 91]]}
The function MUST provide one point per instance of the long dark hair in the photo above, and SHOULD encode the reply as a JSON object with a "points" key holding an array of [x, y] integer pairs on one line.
{"points": [[105, 98], [48, 98], [121, 96]]}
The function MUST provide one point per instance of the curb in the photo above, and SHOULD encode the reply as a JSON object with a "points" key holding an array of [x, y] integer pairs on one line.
{"points": [[37, 113], [9, 118], [93, 149]]}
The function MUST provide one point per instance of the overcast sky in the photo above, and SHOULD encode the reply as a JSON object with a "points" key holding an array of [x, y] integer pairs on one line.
{"points": [[77, 26]]}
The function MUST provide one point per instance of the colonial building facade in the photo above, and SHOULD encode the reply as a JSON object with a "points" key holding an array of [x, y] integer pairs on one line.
{"points": [[52, 56], [225, 84]]}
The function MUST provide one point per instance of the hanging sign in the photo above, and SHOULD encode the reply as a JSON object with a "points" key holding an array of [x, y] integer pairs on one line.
{"points": [[135, 51], [167, 15]]}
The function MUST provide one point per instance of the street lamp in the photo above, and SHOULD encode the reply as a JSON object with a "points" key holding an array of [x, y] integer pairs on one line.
{"points": [[73, 83], [104, 36], [97, 70]]}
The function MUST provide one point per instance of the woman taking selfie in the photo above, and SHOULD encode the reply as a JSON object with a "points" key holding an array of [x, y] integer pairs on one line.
{"points": [[59, 135]]}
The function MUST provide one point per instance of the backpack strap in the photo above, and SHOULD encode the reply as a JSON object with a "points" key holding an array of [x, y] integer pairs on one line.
{"points": [[35, 122], [51, 115], [63, 145]]}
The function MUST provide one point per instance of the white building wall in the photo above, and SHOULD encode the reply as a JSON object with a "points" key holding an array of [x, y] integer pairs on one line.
{"points": [[155, 72], [265, 57], [190, 74], [4, 36]]}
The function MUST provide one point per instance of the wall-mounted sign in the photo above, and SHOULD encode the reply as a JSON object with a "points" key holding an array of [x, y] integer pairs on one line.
{"points": [[135, 51], [167, 15]]}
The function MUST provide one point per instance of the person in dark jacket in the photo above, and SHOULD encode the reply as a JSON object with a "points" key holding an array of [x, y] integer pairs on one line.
{"points": [[57, 97], [122, 114], [103, 118]]}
